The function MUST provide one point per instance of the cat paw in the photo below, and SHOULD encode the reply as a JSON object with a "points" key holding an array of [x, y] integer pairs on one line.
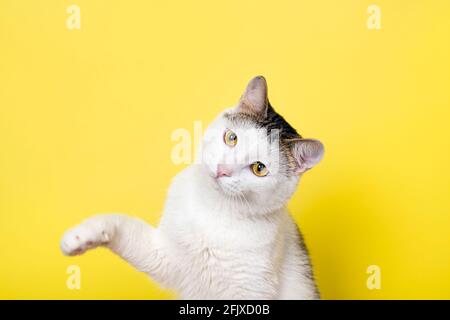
{"points": [[84, 237]]}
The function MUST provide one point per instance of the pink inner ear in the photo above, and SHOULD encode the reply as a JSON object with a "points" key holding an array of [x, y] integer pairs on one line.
{"points": [[247, 106], [307, 153], [300, 167], [254, 100]]}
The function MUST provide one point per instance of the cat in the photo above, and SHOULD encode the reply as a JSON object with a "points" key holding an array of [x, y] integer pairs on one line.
{"points": [[225, 232]]}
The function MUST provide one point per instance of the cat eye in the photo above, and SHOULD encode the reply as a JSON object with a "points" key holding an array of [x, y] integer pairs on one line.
{"points": [[230, 138], [259, 169]]}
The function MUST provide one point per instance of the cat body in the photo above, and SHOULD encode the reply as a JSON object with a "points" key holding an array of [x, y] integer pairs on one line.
{"points": [[222, 255], [225, 232]]}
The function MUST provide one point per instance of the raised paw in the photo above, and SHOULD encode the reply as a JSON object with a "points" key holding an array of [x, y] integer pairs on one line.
{"points": [[84, 237]]}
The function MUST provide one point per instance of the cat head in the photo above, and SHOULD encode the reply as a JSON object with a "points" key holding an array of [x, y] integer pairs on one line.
{"points": [[253, 155]]}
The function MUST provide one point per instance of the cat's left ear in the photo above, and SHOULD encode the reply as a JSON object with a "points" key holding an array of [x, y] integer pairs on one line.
{"points": [[254, 101], [307, 153]]}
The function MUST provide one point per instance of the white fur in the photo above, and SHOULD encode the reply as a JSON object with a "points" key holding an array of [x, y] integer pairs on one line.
{"points": [[219, 238]]}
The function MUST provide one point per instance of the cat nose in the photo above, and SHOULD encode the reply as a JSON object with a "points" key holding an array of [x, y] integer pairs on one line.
{"points": [[223, 171]]}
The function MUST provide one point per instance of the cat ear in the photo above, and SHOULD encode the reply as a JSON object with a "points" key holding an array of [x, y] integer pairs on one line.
{"points": [[254, 100], [307, 153]]}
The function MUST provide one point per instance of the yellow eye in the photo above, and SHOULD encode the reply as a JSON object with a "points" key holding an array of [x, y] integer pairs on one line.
{"points": [[230, 138], [259, 169]]}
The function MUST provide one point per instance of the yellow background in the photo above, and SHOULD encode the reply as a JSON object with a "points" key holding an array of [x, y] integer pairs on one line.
{"points": [[86, 118]]}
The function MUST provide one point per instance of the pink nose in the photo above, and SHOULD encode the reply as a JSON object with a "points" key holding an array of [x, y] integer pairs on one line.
{"points": [[223, 171]]}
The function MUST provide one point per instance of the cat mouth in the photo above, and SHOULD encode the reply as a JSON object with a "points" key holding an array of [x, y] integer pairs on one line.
{"points": [[224, 184], [228, 187]]}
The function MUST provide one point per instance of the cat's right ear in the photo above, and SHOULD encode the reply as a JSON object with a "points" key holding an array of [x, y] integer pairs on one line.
{"points": [[254, 101], [307, 153]]}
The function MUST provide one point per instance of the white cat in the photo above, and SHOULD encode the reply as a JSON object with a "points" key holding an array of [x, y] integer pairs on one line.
{"points": [[225, 232]]}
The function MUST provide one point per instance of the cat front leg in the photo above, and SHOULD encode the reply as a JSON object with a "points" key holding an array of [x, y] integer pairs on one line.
{"points": [[130, 238]]}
